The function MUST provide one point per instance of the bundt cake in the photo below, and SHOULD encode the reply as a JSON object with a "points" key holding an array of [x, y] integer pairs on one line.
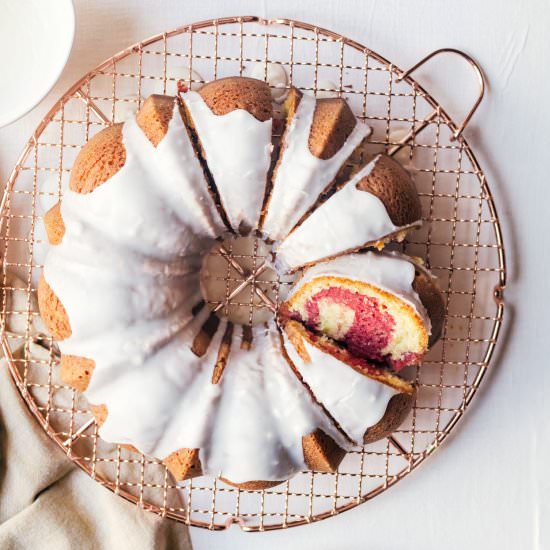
{"points": [[121, 286]]}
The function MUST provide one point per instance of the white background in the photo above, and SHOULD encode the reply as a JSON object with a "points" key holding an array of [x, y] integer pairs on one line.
{"points": [[489, 485]]}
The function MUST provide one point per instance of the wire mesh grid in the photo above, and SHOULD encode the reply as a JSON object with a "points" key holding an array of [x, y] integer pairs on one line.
{"points": [[460, 241]]}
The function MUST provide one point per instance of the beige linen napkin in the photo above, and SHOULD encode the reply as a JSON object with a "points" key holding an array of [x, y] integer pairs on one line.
{"points": [[46, 502]]}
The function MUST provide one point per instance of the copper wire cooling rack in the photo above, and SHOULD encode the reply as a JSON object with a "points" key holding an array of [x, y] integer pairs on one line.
{"points": [[460, 241]]}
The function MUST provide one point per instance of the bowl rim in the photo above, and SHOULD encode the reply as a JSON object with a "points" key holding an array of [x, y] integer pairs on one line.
{"points": [[24, 109]]}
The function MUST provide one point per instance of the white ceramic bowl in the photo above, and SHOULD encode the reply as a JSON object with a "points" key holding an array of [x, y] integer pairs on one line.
{"points": [[36, 37]]}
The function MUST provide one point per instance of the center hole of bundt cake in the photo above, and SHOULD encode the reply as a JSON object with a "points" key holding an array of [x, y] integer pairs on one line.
{"points": [[238, 280]]}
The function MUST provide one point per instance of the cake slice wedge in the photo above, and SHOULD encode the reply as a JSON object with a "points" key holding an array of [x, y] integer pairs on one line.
{"points": [[367, 401], [377, 205], [231, 121], [320, 136], [380, 306]]}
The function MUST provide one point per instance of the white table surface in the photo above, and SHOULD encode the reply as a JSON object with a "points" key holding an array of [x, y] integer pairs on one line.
{"points": [[489, 485]]}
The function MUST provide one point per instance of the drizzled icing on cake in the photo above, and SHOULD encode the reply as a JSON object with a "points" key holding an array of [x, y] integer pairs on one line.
{"points": [[247, 426], [263, 413], [354, 400], [348, 220], [237, 148], [164, 402], [391, 273], [170, 205], [132, 314], [127, 274], [127, 271], [300, 176]]}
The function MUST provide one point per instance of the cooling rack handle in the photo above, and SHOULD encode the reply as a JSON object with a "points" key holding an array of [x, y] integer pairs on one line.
{"points": [[475, 67]]}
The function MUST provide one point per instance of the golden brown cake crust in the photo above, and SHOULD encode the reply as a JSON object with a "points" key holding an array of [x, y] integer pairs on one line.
{"points": [[184, 464], [291, 103], [100, 159], [55, 227], [333, 122], [252, 485], [202, 339], [397, 410], [432, 299], [76, 371], [321, 453], [391, 183], [100, 413], [238, 92], [155, 116], [223, 354], [52, 311]]}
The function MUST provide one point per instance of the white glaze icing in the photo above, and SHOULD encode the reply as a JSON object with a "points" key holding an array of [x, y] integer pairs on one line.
{"points": [[348, 220], [165, 402], [156, 204], [300, 176], [237, 148], [127, 269], [354, 400], [383, 270], [263, 413], [249, 426]]}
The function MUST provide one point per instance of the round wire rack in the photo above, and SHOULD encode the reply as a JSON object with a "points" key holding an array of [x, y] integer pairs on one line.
{"points": [[460, 241]]}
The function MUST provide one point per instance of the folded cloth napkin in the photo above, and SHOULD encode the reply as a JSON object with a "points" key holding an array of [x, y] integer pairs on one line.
{"points": [[48, 502]]}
